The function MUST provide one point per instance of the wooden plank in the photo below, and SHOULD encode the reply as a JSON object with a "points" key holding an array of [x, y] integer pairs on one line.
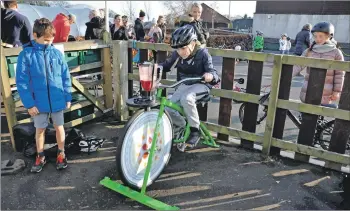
{"points": [[83, 119], [7, 97], [255, 69], [271, 112], [239, 96], [341, 131], [240, 134], [12, 81], [85, 67], [314, 109], [311, 151], [107, 76], [281, 114], [93, 83], [316, 63], [87, 94], [225, 107], [309, 121], [68, 46], [120, 68]]}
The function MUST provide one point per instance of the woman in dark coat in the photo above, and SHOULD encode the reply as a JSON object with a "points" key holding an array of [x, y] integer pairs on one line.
{"points": [[118, 30]]}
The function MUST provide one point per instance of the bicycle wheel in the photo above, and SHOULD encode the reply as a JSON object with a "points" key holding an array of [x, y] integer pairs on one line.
{"points": [[323, 135], [133, 148], [262, 113]]}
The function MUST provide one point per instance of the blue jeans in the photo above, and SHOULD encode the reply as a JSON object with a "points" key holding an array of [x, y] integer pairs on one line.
{"points": [[283, 51]]}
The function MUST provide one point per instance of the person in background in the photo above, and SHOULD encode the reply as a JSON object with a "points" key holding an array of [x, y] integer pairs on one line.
{"points": [[324, 48], [258, 43], [283, 44], [303, 40], [62, 25], [139, 31], [15, 27], [189, 20], [96, 22], [155, 33], [44, 86], [117, 30], [196, 13], [289, 45], [128, 27], [161, 24]]}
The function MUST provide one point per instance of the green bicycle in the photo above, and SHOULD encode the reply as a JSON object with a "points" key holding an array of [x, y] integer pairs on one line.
{"points": [[148, 138], [146, 144]]}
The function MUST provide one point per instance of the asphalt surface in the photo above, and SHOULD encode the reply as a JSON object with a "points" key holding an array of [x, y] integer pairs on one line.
{"points": [[205, 178]]}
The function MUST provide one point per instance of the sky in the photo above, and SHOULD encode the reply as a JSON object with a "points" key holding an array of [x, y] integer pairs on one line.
{"points": [[157, 8]]}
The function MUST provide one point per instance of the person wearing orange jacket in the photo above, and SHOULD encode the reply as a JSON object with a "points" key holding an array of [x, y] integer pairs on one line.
{"points": [[62, 24]]}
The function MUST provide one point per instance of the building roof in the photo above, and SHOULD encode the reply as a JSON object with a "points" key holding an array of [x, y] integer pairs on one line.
{"points": [[208, 12]]}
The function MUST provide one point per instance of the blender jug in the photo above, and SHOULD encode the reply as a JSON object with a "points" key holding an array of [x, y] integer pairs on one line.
{"points": [[148, 76]]}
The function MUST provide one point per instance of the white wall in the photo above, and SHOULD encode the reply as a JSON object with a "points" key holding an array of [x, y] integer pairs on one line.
{"points": [[273, 25]]}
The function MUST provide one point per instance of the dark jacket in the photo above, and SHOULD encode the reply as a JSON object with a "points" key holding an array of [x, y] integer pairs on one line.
{"points": [[120, 34], [139, 31], [15, 28], [94, 23], [202, 34], [302, 41], [43, 78], [194, 66]]}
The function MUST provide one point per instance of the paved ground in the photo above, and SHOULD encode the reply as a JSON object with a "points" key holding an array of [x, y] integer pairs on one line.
{"points": [[225, 178]]}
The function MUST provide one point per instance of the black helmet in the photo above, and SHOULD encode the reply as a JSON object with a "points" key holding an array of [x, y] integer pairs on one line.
{"points": [[325, 27], [183, 36]]}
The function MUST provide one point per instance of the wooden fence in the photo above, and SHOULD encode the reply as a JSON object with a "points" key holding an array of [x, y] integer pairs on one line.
{"points": [[278, 103], [102, 62]]}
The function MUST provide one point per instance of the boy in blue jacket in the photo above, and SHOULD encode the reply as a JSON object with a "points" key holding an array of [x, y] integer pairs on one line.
{"points": [[191, 61], [44, 85]]}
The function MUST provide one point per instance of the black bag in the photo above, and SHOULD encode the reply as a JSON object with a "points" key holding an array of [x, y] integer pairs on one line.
{"points": [[24, 135]]}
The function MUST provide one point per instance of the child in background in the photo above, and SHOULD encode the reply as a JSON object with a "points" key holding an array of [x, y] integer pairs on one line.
{"points": [[258, 44], [289, 45], [44, 86], [283, 44], [323, 47]]}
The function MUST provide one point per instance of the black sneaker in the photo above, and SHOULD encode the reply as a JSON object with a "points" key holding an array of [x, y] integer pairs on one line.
{"points": [[61, 162], [39, 164], [193, 138]]}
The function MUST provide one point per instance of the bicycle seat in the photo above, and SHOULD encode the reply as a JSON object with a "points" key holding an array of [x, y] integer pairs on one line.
{"points": [[204, 99]]}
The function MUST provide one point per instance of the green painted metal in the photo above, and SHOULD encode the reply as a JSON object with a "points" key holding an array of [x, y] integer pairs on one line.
{"points": [[271, 112], [137, 196]]}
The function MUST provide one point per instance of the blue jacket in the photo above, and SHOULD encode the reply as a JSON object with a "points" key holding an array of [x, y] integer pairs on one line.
{"points": [[43, 78], [302, 41], [194, 66]]}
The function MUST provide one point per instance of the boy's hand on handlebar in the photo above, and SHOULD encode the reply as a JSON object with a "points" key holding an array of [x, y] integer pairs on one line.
{"points": [[208, 77]]}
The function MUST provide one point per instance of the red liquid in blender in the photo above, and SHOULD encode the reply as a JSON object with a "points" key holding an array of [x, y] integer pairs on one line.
{"points": [[146, 85]]}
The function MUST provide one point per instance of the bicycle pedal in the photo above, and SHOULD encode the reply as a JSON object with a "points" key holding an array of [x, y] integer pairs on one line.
{"points": [[181, 147]]}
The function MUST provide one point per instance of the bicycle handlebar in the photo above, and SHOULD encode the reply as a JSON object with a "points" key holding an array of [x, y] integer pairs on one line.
{"points": [[180, 82]]}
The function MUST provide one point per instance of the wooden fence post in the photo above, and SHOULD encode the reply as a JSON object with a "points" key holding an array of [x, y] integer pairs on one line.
{"points": [[255, 69], [107, 76], [281, 114], [120, 65], [161, 57], [341, 131], [225, 108], [7, 98], [271, 113], [130, 70], [309, 121]]}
